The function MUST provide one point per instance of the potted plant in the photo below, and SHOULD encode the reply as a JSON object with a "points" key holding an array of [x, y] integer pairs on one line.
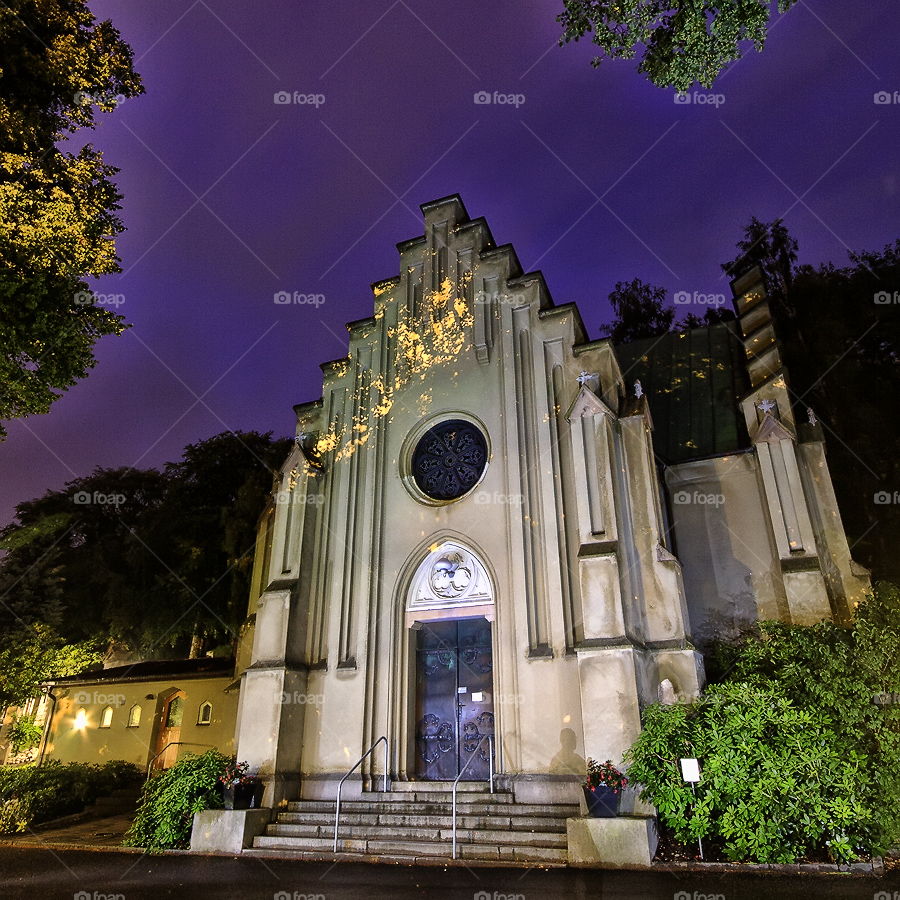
{"points": [[240, 789], [602, 789]]}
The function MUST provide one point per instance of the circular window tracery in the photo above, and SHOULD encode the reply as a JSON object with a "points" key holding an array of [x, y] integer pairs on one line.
{"points": [[449, 460]]}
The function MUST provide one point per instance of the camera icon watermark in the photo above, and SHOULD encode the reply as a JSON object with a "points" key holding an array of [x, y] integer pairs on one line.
{"points": [[88, 698], [685, 498], [83, 498], [483, 98], [284, 298], [88, 298], [286, 98], [887, 895], [682, 298], [699, 98], [885, 98], [884, 498], [882, 298]]}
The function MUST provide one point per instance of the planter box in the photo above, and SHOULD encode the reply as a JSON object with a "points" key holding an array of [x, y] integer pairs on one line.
{"points": [[602, 802]]}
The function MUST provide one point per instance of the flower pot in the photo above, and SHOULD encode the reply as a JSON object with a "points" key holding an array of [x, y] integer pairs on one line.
{"points": [[242, 796], [602, 801]]}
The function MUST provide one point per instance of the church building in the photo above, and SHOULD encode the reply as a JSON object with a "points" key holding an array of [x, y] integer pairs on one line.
{"points": [[496, 541]]}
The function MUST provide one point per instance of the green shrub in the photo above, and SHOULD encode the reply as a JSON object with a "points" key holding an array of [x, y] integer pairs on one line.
{"points": [[799, 744], [23, 734], [31, 795], [170, 799]]}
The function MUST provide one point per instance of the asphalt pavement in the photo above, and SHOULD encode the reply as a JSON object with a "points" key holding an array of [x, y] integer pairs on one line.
{"points": [[29, 872]]}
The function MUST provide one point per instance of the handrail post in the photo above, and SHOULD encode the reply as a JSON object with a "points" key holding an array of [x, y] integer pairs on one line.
{"points": [[337, 807], [490, 739]]}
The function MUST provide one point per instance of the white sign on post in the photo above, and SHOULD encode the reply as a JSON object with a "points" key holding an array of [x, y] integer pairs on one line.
{"points": [[690, 770]]}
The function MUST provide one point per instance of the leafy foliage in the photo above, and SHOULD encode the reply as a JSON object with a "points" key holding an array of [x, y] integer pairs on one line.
{"points": [[639, 312], [149, 559], [604, 773], [684, 40], [36, 653], [796, 756], [57, 210], [23, 734], [171, 798], [31, 795]]}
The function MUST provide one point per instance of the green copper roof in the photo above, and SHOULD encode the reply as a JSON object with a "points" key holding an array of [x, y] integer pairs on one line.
{"points": [[692, 381]]}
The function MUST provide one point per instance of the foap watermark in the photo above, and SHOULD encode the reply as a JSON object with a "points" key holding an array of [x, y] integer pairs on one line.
{"points": [[686, 498], [699, 98], [297, 698], [484, 497], [291, 497], [698, 895], [885, 98], [883, 498], [509, 699], [98, 895], [484, 298], [83, 498], [297, 895], [483, 98], [283, 298], [882, 298], [497, 895], [683, 298], [887, 895], [89, 298], [96, 698], [99, 98], [286, 98]]}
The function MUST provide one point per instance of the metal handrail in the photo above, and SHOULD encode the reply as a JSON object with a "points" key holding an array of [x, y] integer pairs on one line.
{"points": [[490, 739], [384, 787], [173, 744]]}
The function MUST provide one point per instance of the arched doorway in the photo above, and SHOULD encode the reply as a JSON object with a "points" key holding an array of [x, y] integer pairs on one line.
{"points": [[449, 612], [171, 716]]}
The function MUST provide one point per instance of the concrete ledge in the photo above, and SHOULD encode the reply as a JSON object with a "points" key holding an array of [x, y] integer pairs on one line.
{"points": [[624, 842], [227, 830]]}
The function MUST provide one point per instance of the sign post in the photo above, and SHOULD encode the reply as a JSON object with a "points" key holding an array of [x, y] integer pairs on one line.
{"points": [[690, 772]]}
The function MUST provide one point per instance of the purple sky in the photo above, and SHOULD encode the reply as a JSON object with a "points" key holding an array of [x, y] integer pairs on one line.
{"points": [[597, 177]]}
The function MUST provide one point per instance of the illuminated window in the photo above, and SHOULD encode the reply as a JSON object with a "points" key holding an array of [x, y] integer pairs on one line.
{"points": [[106, 717], [205, 716], [81, 718], [134, 717]]}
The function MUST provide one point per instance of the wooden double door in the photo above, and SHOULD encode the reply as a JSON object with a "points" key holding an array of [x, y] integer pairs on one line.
{"points": [[454, 699]]}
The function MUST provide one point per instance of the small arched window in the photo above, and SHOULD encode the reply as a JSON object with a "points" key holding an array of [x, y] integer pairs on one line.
{"points": [[134, 717], [205, 716], [106, 717], [81, 718]]}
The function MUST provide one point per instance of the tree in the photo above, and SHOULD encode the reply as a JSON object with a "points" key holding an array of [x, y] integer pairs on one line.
{"points": [[639, 312], [684, 40], [57, 209], [770, 246], [159, 561]]}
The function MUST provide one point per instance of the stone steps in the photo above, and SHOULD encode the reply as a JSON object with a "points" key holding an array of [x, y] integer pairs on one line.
{"points": [[516, 822], [418, 832], [435, 807], [413, 823]]}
